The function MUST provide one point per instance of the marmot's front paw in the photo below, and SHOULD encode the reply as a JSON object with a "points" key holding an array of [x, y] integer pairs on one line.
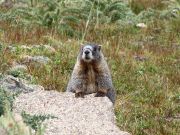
{"points": [[79, 94], [100, 94]]}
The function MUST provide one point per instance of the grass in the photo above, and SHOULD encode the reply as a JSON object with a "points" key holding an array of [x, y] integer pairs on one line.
{"points": [[140, 5], [148, 90]]}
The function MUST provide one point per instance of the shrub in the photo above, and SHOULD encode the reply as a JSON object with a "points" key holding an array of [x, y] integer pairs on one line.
{"points": [[35, 121], [6, 101]]}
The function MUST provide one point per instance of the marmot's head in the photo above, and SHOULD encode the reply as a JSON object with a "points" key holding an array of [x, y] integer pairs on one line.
{"points": [[90, 52]]}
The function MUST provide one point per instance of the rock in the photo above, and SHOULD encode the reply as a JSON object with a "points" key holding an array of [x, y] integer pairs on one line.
{"points": [[139, 58], [51, 49], [14, 84], [175, 46], [141, 25], [7, 4], [20, 4], [80, 116], [138, 44], [25, 47], [122, 53], [39, 59], [149, 38], [11, 48], [46, 47]]}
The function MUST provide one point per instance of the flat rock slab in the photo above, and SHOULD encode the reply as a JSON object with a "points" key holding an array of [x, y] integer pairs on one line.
{"points": [[76, 116], [13, 84], [38, 59]]}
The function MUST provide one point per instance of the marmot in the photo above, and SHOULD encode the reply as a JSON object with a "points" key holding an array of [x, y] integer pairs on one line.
{"points": [[91, 74]]}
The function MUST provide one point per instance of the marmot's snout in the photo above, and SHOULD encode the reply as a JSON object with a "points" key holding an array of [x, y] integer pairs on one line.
{"points": [[87, 54]]}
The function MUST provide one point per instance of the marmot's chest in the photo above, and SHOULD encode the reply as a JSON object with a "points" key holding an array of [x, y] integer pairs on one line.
{"points": [[91, 80]]}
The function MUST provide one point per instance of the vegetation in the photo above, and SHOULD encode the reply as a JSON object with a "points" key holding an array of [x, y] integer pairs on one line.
{"points": [[9, 126], [6, 100], [144, 62], [7, 121], [35, 121]]}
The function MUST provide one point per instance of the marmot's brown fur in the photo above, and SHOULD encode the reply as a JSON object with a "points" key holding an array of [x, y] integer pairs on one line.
{"points": [[91, 74]]}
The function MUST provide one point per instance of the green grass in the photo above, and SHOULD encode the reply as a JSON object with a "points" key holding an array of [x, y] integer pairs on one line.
{"points": [[148, 91]]}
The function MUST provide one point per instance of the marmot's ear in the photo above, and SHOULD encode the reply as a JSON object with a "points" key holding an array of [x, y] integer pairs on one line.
{"points": [[82, 46], [99, 47]]}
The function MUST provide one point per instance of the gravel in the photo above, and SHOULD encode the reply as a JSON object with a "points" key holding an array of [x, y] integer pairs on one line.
{"points": [[76, 116]]}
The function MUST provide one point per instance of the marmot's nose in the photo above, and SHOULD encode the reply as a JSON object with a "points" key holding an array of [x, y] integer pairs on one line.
{"points": [[86, 52]]}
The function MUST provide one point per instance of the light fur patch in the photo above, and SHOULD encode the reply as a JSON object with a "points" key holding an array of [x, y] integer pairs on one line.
{"points": [[88, 47], [91, 86], [90, 55]]}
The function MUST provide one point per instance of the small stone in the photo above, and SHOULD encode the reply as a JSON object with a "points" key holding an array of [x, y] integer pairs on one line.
{"points": [[39, 59], [175, 46], [122, 53], [11, 48], [47, 47], [139, 58], [25, 47], [51, 49], [141, 25]]}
